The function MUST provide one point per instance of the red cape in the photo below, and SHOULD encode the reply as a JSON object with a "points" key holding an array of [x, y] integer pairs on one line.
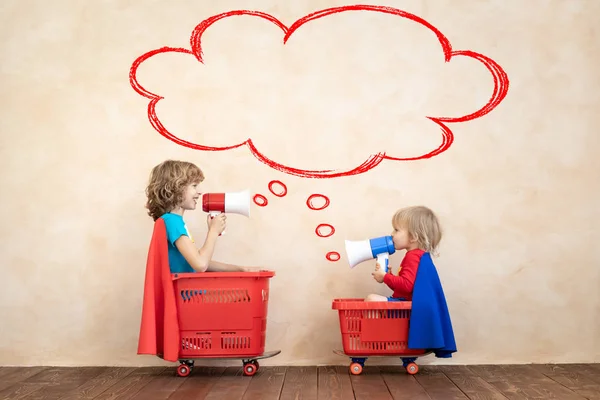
{"points": [[159, 331]]}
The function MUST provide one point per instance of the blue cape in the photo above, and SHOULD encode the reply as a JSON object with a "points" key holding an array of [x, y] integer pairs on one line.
{"points": [[430, 326]]}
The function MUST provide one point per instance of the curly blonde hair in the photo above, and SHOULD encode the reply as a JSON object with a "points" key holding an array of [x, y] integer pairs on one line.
{"points": [[167, 183], [422, 224]]}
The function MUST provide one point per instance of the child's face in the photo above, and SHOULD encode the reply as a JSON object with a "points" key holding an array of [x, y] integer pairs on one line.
{"points": [[402, 239], [190, 196]]}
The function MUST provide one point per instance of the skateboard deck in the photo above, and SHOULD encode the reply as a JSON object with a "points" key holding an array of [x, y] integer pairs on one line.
{"points": [[267, 354], [402, 355], [251, 364]]}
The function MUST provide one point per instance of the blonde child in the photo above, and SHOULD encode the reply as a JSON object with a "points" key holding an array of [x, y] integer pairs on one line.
{"points": [[174, 188], [416, 230]]}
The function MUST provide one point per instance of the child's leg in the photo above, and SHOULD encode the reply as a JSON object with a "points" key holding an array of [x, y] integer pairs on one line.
{"points": [[376, 297]]}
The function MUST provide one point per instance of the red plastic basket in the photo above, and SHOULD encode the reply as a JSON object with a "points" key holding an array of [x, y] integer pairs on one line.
{"points": [[374, 328], [222, 314]]}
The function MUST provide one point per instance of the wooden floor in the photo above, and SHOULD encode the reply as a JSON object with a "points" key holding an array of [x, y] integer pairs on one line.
{"points": [[565, 381]]}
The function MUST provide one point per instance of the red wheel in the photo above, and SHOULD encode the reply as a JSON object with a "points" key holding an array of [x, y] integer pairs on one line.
{"points": [[412, 368], [250, 369], [356, 369], [183, 370]]}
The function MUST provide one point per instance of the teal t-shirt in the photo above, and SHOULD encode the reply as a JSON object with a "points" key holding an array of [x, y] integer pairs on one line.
{"points": [[176, 227]]}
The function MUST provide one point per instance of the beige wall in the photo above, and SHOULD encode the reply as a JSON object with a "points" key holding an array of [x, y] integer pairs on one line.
{"points": [[517, 192]]}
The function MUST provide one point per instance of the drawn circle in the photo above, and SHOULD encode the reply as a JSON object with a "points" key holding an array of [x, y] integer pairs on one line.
{"points": [[333, 256], [320, 234], [260, 200], [317, 196], [282, 186]]}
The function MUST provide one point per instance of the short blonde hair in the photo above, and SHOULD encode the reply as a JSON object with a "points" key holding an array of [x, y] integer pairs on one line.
{"points": [[422, 224], [167, 183]]}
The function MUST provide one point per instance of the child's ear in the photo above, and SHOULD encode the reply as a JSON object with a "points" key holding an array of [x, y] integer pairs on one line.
{"points": [[413, 238]]}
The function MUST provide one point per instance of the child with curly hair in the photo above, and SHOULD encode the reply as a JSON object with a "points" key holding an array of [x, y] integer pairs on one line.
{"points": [[173, 189]]}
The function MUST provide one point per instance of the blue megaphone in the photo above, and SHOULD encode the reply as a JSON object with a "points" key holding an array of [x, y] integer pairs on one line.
{"points": [[363, 250]]}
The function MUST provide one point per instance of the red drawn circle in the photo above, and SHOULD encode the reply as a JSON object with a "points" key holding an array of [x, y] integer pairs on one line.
{"points": [[320, 234], [317, 196], [282, 186], [260, 200], [333, 256]]}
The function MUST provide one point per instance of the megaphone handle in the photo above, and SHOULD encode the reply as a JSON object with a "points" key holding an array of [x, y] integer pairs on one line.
{"points": [[382, 260], [212, 215]]}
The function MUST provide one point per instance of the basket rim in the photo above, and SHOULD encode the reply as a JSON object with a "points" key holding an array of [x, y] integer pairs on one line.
{"points": [[361, 304], [205, 275]]}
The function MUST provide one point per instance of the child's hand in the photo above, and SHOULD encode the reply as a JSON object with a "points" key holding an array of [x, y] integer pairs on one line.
{"points": [[216, 224], [378, 275]]}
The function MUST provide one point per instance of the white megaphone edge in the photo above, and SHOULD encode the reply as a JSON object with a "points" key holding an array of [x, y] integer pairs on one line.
{"points": [[229, 202], [238, 202], [362, 250]]}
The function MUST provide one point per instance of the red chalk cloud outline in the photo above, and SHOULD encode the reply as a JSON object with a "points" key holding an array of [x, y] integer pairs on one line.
{"points": [[500, 91]]}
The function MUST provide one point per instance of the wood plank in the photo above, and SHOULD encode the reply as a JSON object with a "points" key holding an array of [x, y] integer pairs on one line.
{"points": [[334, 383], [563, 381], [522, 382], [594, 366], [14, 375], [437, 385], [572, 378], [56, 381], [160, 387], [300, 384], [471, 384], [590, 371], [97, 385], [131, 384], [6, 370], [527, 376], [370, 385], [198, 384], [496, 376], [266, 384], [402, 386], [231, 385], [20, 390]]}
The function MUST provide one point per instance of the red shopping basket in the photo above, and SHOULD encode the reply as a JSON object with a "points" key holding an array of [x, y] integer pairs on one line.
{"points": [[222, 313], [375, 328]]}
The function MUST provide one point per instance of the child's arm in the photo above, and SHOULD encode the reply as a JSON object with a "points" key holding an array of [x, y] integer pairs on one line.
{"points": [[405, 280], [403, 283], [200, 259], [216, 266]]}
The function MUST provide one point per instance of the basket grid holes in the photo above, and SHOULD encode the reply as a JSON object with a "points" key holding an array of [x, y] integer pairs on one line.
{"points": [[203, 296], [202, 341], [230, 340], [356, 344], [354, 317], [353, 321]]}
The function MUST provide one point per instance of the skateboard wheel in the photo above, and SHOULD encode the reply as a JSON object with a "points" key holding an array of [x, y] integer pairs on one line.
{"points": [[412, 368], [183, 370], [356, 369], [250, 369]]}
